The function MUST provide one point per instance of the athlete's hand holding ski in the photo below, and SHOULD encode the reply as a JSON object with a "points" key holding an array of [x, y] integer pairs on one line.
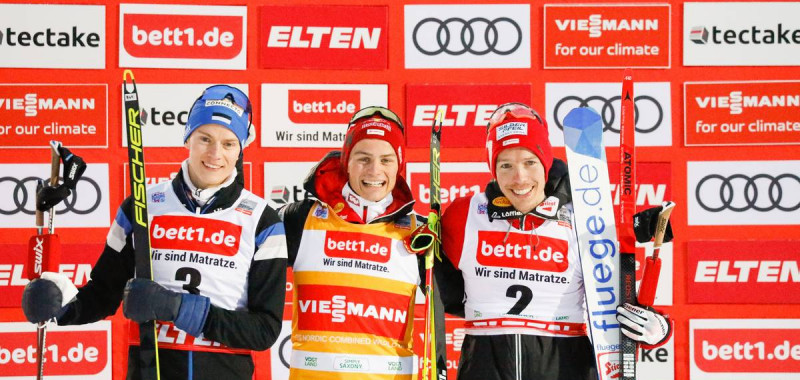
{"points": [[145, 300]]}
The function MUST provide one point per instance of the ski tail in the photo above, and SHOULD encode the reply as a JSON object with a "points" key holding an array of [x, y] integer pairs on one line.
{"points": [[148, 346], [626, 210], [435, 350]]}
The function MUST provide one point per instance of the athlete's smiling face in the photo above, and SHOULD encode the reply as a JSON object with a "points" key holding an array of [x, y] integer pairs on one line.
{"points": [[372, 169], [520, 176], [213, 151]]}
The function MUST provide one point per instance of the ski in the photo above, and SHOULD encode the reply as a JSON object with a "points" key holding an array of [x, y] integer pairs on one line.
{"points": [[434, 360], [596, 231], [44, 253], [148, 343], [626, 210]]}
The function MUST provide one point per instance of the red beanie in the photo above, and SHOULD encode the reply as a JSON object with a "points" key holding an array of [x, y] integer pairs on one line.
{"points": [[511, 129], [379, 128]]}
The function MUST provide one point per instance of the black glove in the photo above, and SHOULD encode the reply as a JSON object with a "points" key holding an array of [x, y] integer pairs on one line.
{"points": [[644, 225], [48, 197], [47, 297], [74, 166], [145, 300], [558, 181]]}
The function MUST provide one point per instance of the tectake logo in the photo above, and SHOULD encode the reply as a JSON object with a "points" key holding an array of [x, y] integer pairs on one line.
{"points": [[34, 114], [653, 110], [52, 36], [741, 34], [467, 36], [173, 36], [740, 349], [742, 113], [743, 192], [466, 108], [313, 115], [324, 37], [457, 180], [284, 182], [87, 206], [744, 272]]}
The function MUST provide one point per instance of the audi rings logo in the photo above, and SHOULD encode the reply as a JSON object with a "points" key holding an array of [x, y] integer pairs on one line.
{"points": [[609, 107], [457, 36], [739, 192], [22, 192]]}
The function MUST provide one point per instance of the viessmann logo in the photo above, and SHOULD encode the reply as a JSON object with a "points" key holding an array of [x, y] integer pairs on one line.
{"points": [[595, 24], [32, 103], [346, 309], [183, 36], [736, 101]]}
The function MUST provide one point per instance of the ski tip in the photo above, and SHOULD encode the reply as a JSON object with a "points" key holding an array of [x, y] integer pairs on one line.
{"points": [[583, 131], [127, 73], [628, 73]]}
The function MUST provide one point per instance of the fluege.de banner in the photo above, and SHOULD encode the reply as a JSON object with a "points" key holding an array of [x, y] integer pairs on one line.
{"points": [[33, 114], [606, 36], [742, 113]]}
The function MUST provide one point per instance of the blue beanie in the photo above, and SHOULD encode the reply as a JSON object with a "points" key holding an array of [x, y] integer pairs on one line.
{"points": [[221, 105]]}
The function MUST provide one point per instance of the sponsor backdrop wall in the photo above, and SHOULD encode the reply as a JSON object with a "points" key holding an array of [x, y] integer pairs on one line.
{"points": [[718, 131]]}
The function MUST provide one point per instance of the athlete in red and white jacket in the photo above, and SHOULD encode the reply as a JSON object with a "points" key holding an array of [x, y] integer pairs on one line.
{"points": [[512, 268]]}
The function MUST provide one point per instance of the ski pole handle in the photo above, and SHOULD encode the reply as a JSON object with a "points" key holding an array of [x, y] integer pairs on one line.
{"points": [[652, 265]]}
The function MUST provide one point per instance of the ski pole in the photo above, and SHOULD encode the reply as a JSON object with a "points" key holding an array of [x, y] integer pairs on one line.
{"points": [[652, 267]]}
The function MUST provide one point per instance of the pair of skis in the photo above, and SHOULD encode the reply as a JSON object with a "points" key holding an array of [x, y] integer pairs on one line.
{"points": [[434, 359], [148, 341], [609, 276]]}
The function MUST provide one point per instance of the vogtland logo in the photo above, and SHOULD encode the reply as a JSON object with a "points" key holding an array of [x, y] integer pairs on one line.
{"points": [[49, 38], [595, 24], [777, 35]]}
